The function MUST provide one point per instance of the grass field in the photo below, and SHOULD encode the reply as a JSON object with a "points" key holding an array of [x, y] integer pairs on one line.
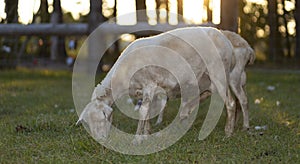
{"points": [[37, 124]]}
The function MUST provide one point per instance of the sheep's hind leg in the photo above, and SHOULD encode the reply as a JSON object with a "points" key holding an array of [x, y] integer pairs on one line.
{"points": [[238, 112], [240, 94], [163, 102], [231, 109]]}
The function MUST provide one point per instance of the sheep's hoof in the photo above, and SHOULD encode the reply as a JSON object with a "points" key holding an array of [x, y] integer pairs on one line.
{"points": [[228, 132], [136, 142], [246, 129], [158, 122], [138, 139], [183, 115]]}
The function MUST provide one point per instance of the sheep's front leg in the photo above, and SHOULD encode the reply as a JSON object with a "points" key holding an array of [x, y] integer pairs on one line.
{"points": [[143, 128], [144, 115]]}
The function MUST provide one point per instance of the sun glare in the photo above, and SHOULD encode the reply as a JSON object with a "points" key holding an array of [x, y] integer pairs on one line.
{"points": [[126, 12], [76, 7], [173, 18], [2, 9], [216, 11], [26, 9], [151, 12], [193, 11], [259, 2]]}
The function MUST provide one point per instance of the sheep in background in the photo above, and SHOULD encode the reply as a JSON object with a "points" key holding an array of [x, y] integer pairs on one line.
{"points": [[244, 55]]}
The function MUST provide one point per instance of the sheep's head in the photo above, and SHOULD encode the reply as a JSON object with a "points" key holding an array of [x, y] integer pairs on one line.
{"points": [[97, 116]]}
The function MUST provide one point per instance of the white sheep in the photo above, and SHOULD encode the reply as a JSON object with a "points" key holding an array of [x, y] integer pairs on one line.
{"points": [[187, 42], [244, 55]]}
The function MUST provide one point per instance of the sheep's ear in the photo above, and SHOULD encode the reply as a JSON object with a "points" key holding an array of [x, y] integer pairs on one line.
{"points": [[80, 118], [251, 54]]}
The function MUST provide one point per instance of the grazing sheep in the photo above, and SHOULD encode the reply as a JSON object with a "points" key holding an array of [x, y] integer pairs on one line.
{"points": [[244, 55], [187, 42]]}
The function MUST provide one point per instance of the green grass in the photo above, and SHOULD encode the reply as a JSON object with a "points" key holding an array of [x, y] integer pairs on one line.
{"points": [[40, 104]]}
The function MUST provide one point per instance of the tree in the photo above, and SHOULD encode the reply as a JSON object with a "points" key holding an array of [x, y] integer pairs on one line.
{"points": [[209, 11], [141, 8], [9, 45], [44, 16], [180, 10], [95, 17], [274, 44], [43, 12], [297, 18], [11, 10], [229, 15], [159, 3], [58, 51]]}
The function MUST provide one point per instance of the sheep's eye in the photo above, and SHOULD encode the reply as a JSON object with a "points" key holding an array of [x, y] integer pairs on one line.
{"points": [[139, 103]]}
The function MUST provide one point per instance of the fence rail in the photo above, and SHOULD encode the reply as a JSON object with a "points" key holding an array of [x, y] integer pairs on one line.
{"points": [[81, 28]]}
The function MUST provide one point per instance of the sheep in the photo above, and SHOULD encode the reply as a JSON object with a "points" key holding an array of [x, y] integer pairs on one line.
{"points": [[184, 41], [244, 55]]}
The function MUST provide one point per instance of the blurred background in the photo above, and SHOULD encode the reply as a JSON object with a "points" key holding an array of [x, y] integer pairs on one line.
{"points": [[45, 33]]}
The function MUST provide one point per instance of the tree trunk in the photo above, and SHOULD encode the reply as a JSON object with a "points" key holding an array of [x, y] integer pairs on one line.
{"points": [[229, 15], [27, 38], [158, 3], [180, 10], [96, 41], [11, 10], [141, 11], [95, 17], [209, 11], [43, 12], [274, 46], [45, 18], [8, 59], [287, 37], [297, 17], [58, 51], [167, 9], [115, 9]]}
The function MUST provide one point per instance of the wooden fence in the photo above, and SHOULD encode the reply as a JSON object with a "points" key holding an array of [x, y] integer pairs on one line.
{"points": [[81, 28]]}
